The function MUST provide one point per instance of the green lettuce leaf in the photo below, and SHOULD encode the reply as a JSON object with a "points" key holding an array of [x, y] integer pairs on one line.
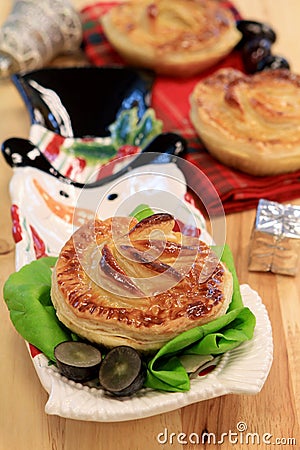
{"points": [[165, 371], [27, 295], [141, 212]]}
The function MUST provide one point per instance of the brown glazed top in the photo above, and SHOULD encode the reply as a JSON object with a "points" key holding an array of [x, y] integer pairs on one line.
{"points": [[140, 274]]}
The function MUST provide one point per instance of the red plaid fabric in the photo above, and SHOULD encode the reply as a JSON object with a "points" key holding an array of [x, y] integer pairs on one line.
{"points": [[170, 99]]}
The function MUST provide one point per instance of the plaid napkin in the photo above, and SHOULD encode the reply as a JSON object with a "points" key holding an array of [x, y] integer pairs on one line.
{"points": [[170, 99]]}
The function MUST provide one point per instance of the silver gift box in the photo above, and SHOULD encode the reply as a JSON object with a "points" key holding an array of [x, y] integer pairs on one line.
{"points": [[275, 240]]}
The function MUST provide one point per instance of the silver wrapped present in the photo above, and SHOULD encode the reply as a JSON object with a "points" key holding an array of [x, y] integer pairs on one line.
{"points": [[275, 240]]}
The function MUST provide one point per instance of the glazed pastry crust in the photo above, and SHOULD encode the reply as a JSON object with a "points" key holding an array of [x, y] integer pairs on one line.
{"points": [[113, 307], [250, 122], [177, 38]]}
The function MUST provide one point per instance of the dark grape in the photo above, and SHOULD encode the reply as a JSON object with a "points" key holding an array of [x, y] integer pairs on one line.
{"points": [[122, 371], [255, 47], [77, 361], [254, 52], [253, 30], [273, 62]]}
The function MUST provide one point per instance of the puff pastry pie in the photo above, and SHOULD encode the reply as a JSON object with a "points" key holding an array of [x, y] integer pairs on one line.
{"points": [[178, 37], [139, 284], [250, 122]]}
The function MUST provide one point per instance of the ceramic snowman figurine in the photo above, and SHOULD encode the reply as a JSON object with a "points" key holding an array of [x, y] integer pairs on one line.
{"points": [[47, 207]]}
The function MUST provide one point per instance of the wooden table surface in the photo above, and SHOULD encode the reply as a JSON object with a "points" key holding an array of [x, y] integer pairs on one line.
{"points": [[275, 410]]}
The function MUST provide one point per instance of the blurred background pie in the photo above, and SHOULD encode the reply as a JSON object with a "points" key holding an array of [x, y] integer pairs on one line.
{"points": [[250, 122], [177, 38]]}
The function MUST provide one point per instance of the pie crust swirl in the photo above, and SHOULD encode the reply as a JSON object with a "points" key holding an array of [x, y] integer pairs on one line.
{"points": [[250, 122], [121, 282], [177, 38]]}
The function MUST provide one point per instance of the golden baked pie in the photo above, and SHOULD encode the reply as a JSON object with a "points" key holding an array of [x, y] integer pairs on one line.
{"points": [[178, 37], [250, 122], [120, 281]]}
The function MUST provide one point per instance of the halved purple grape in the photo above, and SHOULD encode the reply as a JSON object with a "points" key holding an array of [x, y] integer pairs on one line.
{"points": [[255, 51], [122, 371], [273, 62], [77, 361]]}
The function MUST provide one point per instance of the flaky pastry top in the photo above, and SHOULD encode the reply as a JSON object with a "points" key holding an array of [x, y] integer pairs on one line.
{"points": [[139, 275], [172, 26], [178, 37], [262, 109]]}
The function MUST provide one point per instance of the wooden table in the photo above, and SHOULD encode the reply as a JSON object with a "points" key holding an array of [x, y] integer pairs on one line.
{"points": [[275, 410]]}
